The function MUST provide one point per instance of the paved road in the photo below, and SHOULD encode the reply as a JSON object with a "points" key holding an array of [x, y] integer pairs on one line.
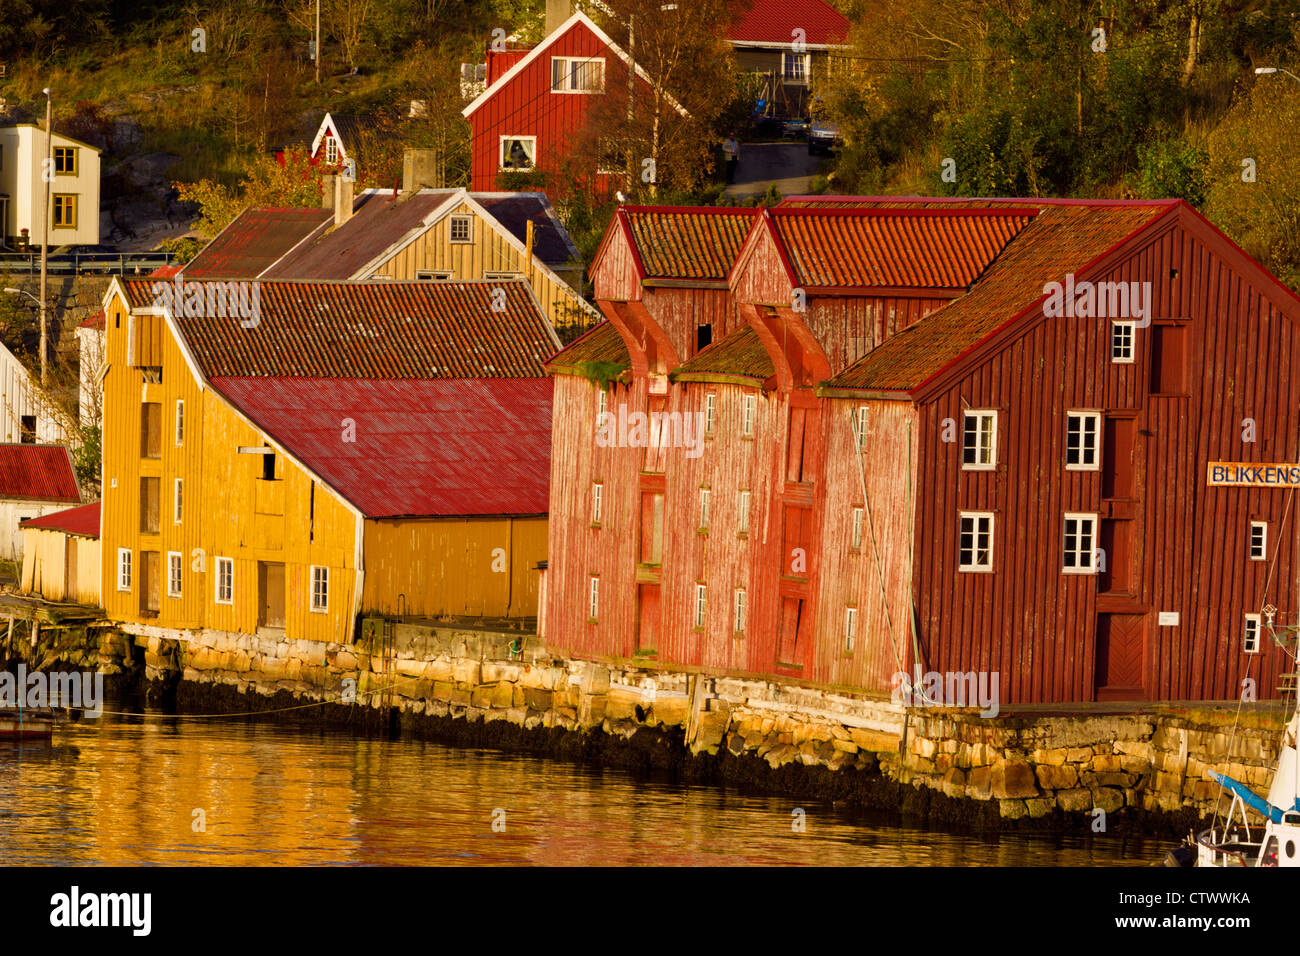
{"points": [[788, 165]]}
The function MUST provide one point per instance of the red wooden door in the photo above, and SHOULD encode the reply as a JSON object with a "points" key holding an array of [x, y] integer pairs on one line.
{"points": [[1121, 645], [649, 613]]}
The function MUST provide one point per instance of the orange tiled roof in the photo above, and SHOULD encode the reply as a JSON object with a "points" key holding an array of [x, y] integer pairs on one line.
{"points": [[686, 242]]}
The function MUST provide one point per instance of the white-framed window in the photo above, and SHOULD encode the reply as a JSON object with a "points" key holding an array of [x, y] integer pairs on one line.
{"points": [[975, 541], [850, 627], [1079, 547], [593, 597], [320, 589], [794, 67], [710, 412], [860, 427], [597, 501], [979, 440], [701, 593], [1250, 636], [178, 501], [577, 74], [518, 153], [749, 416], [502, 276], [174, 568], [739, 607], [742, 512], [124, 569], [1081, 441], [433, 275], [180, 422], [1258, 540], [1121, 342], [223, 585], [331, 150], [704, 508], [602, 403], [855, 529], [462, 228]]}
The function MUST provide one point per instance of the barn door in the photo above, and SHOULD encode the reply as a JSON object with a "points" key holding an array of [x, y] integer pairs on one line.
{"points": [[150, 584], [1121, 646]]}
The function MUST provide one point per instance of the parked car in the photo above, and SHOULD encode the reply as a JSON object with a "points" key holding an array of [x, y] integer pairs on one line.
{"points": [[823, 137], [795, 128]]}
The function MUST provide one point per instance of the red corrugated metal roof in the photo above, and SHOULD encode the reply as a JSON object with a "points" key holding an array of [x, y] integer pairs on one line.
{"points": [[256, 239], [1063, 238], [685, 242], [37, 473], [373, 330], [864, 248], [774, 22], [96, 321], [82, 520], [423, 448]]}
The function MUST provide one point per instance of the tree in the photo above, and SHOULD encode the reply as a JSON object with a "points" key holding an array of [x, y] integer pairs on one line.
{"points": [[265, 183]]}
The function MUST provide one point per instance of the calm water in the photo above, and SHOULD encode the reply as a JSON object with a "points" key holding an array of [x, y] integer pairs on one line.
{"points": [[124, 791]]}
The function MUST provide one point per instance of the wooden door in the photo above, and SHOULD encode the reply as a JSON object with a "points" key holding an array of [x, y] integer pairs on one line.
{"points": [[650, 614], [1117, 457], [1121, 647], [70, 568], [1116, 542], [270, 591], [150, 584]]}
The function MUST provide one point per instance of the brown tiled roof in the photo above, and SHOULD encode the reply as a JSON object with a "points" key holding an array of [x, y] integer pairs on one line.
{"points": [[601, 345], [1064, 237], [372, 330], [863, 248], [738, 355], [685, 242], [254, 241]]}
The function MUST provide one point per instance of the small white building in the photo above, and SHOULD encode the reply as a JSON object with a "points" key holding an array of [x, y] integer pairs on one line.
{"points": [[74, 190], [27, 415], [34, 480]]}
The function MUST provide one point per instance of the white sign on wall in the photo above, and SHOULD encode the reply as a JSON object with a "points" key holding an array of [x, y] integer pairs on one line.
{"points": [[1168, 619]]}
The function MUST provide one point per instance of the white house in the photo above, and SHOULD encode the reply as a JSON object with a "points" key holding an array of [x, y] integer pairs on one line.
{"points": [[26, 416], [74, 189]]}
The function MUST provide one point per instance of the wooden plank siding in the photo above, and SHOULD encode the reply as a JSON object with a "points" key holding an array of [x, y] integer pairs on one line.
{"points": [[46, 554]]}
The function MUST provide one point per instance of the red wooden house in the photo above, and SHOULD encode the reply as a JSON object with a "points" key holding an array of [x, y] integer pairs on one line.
{"points": [[916, 458], [534, 114]]}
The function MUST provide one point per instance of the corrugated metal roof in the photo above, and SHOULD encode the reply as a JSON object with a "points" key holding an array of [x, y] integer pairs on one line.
{"points": [[37, 473], [865, 248], [423, 448], [1062, 238], [601, 344], [687, 243], [373, 330], [774, 22], [377, 222], [254, 241], [82, 520], [738, 355]]}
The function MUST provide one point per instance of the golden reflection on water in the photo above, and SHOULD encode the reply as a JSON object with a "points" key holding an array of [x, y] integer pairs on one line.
{"points": [[125, 792]]}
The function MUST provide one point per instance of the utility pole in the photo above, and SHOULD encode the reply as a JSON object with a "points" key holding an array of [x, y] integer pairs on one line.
{"points": [[316, 43], [47, 175], [631, 90]]}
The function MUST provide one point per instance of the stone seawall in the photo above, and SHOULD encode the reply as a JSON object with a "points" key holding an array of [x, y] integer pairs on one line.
{"points": [[1022, 771]]}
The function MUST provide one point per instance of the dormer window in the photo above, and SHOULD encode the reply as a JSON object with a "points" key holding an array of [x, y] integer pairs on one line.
{"points": [[331, 150]]}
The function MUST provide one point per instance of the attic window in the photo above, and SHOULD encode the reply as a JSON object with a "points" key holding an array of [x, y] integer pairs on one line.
{"points": [[428, 275], [577, 75], [331, 150], [268, 466], [462, 229]]}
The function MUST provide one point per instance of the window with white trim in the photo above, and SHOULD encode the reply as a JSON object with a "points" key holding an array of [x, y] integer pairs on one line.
{"points": [[1081, 437], [860, 427], [710, 412], [432, 275], [223, 588], [979, 440], [180, 422], [1121, 342], [1079, 548], [320, 589], [701, 592], [124, 569], [518, 153], [749, 416], [850, 627], [597, 501], [1250, 636], [461, 228], [855, 529], [975, 541], [331, 150], [593, 597], [577, 74], [739, 608], [742, 513], [174, 568], [178, 501], [1258, 540], [794, 68], [704, 508]]}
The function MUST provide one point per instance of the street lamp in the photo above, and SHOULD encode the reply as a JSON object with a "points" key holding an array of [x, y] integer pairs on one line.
{"points": [[1265, 70], [46, 174], [24, 292]]}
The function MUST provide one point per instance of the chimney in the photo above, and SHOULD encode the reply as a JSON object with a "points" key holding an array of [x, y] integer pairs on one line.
{"points": [[342, 200], [557, 11], [419, 170], [327, 191]]}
